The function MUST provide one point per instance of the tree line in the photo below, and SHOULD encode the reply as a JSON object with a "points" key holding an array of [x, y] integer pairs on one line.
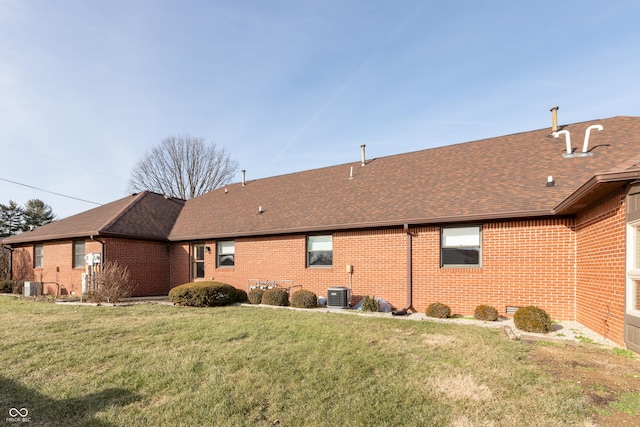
{"points": [[15, 219]]}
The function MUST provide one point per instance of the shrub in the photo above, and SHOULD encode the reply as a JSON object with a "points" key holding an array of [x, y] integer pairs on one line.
{"points": [[203, 294], [532, 319], [255, 296], [304, 299], [113, 282], [370, 304], [6, 286], [241, 296], [438, 310], [486, 312], [275, 296]]}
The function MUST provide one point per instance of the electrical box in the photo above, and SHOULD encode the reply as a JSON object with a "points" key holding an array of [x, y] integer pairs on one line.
{"points": [[349, 268], [338, 297]]}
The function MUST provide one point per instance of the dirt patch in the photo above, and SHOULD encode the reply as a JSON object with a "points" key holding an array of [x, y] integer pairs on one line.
{"points": [[607, 380]]}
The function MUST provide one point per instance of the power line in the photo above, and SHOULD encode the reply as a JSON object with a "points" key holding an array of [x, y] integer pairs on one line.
{"points": [[51, 192]]}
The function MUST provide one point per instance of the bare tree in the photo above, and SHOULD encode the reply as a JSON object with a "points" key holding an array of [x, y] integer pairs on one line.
{"points": [[184, 167]]}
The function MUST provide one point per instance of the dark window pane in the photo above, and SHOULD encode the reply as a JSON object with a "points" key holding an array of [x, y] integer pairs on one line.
{"points": [[199, 270], [226, 260], [460, 256], [321, 258]]}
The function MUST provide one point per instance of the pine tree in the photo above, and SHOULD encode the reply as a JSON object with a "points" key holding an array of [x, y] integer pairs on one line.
{"points": [[36, 213], [11, 219]]}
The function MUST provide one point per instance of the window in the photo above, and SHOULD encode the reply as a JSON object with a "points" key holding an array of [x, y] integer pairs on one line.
{"points": [[78, 254], [37, 255], [226, 252], [319, 251], [197, 261], [460, 246]]}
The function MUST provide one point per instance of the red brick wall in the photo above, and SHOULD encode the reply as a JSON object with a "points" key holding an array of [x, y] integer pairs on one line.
{"points": [[523, 263], [57, 272], [600, 281], [180, 264], [147, 261], [375, 272], [148, 264]]}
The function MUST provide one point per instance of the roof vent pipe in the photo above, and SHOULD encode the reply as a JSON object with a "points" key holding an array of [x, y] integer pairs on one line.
{"points": [[363, 158], [554, 119], [243, 172]]}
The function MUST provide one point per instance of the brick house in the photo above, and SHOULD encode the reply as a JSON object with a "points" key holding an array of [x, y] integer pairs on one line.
{"points": [[131, 231], [534, 218]]}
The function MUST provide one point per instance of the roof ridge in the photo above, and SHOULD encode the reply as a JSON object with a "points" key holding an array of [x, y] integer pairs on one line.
{"points": [[124, 210]]}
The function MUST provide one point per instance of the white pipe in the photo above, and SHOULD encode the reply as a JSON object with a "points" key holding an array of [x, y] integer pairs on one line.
{"points": [[567, 136], [586, 136]]}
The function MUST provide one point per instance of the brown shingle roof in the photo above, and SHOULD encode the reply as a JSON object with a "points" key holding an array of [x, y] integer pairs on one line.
{"points": [[503, 177], [144, 215]]}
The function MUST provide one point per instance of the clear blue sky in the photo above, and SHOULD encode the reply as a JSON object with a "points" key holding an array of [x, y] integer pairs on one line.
{"points": [[88, 87]]}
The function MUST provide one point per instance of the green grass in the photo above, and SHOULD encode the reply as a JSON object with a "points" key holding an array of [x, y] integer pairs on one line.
{"points": [[161, 365]]}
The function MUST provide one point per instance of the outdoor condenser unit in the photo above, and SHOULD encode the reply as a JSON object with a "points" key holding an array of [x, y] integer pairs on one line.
{"points": [[30, 289], [338, 297]]}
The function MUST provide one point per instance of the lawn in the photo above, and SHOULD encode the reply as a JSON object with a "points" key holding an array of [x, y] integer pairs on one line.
{"points": [[153, 365]]}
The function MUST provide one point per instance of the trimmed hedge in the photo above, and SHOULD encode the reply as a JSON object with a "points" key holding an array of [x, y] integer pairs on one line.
{"points": [[532, 319], [241, 296], [303, 298], [439, 310], [203, 294], [276, 296], [486, 312], [370, 304], [255, 296]]}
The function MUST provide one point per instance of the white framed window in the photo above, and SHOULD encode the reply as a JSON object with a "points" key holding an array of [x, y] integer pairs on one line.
{"points": [[226, 253], [319, 251], [197, 261], [78, 254], [460, 246], [38, 249], [633, 269]]}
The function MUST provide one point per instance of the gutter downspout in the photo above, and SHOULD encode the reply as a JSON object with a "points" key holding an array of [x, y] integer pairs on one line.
{"points": [[409, 306]]}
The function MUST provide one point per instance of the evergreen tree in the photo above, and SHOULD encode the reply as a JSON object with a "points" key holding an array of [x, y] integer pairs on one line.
{"points": [[11, 219], [36, 213]]}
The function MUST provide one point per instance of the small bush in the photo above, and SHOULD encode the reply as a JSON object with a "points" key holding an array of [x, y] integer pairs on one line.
{"points": [[6, 286], [276, 297], [113, 282], [203, 294], [486, 312], [370, 304], [255, 296], [438, 310], [532, 319], [241, 295], [304, 299]]}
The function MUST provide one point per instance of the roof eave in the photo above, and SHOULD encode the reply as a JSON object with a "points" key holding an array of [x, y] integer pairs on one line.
{"points": [[598, 186]]}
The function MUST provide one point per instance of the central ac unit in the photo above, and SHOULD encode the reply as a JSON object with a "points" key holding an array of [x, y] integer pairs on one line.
{"points": [[338, 297]]}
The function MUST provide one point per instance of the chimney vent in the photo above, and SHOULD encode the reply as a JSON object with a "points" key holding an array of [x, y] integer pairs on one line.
{"points": [[243, 173], [550, 181], [554, 119], [363, 157]]}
